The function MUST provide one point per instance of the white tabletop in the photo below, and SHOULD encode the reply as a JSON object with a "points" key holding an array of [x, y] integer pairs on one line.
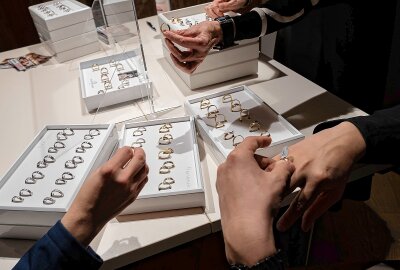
{"points": [[50, 94]]}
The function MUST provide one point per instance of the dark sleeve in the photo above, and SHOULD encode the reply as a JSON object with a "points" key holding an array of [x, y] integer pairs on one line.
{"points": [[58, 249], [381, 132]]}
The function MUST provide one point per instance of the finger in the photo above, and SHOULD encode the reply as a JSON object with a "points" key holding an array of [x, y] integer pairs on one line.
{"points": [[183, 56], [253, 143], [139, 178], [121, 157], [188, 67], [141, 185], [296, 209], [228, 6], [263, 162], [283, 169], [137, 162], [215, 9], [187, 42]]}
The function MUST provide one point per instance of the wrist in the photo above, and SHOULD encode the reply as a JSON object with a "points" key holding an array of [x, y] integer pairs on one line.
{"points": [[216, 31], [354, 141]]}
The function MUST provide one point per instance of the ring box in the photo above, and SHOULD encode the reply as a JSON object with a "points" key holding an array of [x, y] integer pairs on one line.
{"points": [[281, 131], [188, 189], [219, 66], [31, 218]]}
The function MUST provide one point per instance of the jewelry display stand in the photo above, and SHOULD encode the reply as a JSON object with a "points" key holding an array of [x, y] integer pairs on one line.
{"points": [[42, 183], [251, 117], [175, 179], [219, 66]]}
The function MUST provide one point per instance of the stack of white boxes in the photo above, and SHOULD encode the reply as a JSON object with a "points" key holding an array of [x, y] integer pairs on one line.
{"points": [[120, 18], [66, 27]]}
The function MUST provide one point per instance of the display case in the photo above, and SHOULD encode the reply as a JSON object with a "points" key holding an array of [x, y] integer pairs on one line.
{"points": [[226, 118], [172, 154], [219, 66], [40, 186]]}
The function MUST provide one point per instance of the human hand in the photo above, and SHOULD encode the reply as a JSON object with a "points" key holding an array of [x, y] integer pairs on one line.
{"points": [[249, 189], [323, 162], [218, 7], [199, 39], [105, 193]]}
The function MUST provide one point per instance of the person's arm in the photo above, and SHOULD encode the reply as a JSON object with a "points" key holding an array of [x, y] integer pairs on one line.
{"points": [[105, 193]]}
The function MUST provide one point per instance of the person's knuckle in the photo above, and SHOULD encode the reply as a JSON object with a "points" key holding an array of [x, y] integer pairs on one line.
{"points": [[107, 170], [233, 157], [320, 175]]}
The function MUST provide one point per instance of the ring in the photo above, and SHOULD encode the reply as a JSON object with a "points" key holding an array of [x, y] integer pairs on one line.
{"points": [[86, 145], [88, 137], [244, 113], [234, 143], [140, 140], [169, 181], [213, 113], [94, 132], [68, 132], [220, 123], [107, 85], [227, 99], [204, 103], [61, 136], [167, 125], [104, 78], [164, 170], [113, 63], [67, 176], [52, 150], [37, 175], [30, 181], [141, 129], [95, 67], [77, 159], [168, 164], [236, 106], [69, 164], [254, 126], [59, 145], [162, 27], [80, 149], [163, 186], [168, 136], [56, 193], [60, 181], [164, 140], [163, 129], [265, 133], [120, 67], [48, 200], [49, 159], [164, 155], [25, 192], [137, 132], [100, 92], [17, 199], [41, 164], [228, 135], [137, 144], [104, 71]]}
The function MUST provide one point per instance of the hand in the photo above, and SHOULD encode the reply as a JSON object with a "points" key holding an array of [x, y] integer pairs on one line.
{"points": [[105, 193], [218, 7], [323, 162], [249, 190], [199, 39]]}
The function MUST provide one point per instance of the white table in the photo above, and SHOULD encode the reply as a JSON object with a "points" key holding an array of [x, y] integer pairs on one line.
{"points": [[50, 94]]}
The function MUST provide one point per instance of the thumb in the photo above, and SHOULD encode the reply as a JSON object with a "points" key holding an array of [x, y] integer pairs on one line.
{"points": [[252, 143], [227, 6]]}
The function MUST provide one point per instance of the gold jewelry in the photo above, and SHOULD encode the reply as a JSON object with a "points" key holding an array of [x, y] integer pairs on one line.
{"points": [[244, 113], [169, 181], [254, 126], [163, 27], [107, 85], [141, 128], [228, 135], [169, 164], [265, 133], [236, 106], [95, 67], [163, 129], [164, 170], [164, 155], [17, 199], [120, 67], [137, 133], [104, 78], [220, 121], [104, 71], [204, 103], [212, 113], [165, 140], [167, 125], [164, 186], [137, 144], [125, 83], [234, 142], [227, 99]]}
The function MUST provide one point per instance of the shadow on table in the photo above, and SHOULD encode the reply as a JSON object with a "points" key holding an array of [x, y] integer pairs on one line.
{"points": [[161, 214]]}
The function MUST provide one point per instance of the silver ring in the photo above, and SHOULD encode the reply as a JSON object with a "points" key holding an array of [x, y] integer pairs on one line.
{"points": [[60, 181], [25, 192], [52, 149], [37, 175], [17, 199], [30, 181], [80, 149], [69, 164], [68, 131], [169, 181], [48, 201], [77, 159], [169, 164], [41, 164], [94, 132], [49, 159], [56, 193], [67, 176], [59, 145], [88, 137], [164, 186], [86, 145], [61, 136]]}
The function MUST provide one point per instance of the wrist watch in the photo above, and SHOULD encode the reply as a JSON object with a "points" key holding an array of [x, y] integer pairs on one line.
{"points": [[228, 32], [274, 262]]}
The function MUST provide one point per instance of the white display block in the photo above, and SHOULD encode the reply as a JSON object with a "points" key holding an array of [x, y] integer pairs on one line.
{"points": [[117, 6], [281, 131], [70, 43], [66, 32], [31, 218], [74, 53], [188, 189], [120, 18], [58, 14], [91, 80], [219, 66]]}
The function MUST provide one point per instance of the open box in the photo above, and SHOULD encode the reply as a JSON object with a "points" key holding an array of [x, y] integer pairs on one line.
{"points": [[219, 66], [188, 189], [281, 131], [34, 215]]}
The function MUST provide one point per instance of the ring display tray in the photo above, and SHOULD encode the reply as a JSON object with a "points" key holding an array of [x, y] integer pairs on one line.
{"points": [[114, 79], [219, 66], [42, 183], [256, 116], [175, 179]]}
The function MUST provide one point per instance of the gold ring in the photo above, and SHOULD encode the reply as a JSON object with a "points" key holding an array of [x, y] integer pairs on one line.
{"points": [[163, 26], [163, 129], [169, 181], [164, 140], [169, 164], [107, 85], [167, 125], [254, 126], [244, 113], [227, 99], [164, 186], [236, 106], [137, 133], [104, 71], [164, 155], [204, 103], [164, 170], [213, 113], [104, 78], [228, 135], [234, 143], [136, 144]]}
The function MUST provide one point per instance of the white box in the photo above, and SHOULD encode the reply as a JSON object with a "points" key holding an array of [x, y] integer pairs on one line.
{"points": [[219, 66], [91, 84], [117, 6], [66, 32], [70, 43], [188, 189], [32, 218], [281, 131], [75, 52], [77, 13], [120, 18]]}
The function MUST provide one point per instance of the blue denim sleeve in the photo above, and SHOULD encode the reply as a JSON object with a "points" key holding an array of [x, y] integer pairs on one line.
{"points": [[58, 249]]}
